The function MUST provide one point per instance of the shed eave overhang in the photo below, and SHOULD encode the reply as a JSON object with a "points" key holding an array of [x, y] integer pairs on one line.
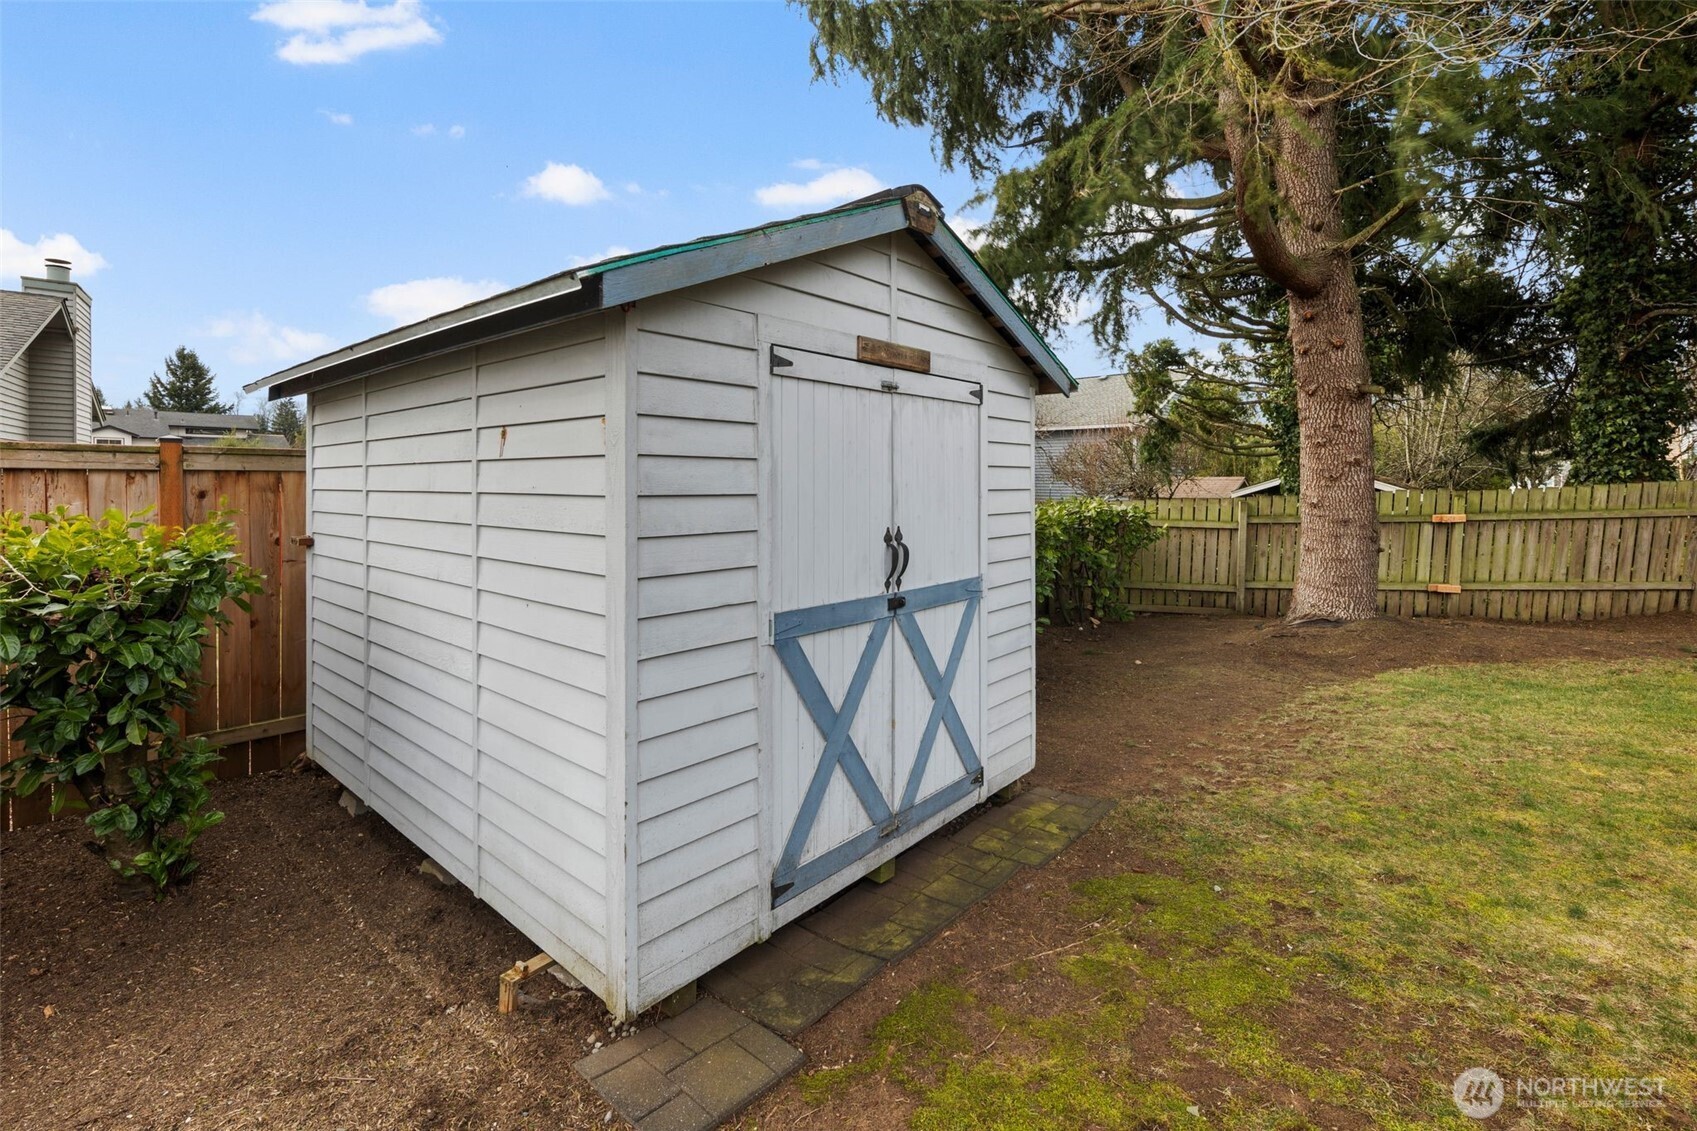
{"points": [[627, 279]]}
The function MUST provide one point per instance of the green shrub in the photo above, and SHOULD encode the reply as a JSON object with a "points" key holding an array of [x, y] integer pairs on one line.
{"points": [[1084, 552], [101, 628]]}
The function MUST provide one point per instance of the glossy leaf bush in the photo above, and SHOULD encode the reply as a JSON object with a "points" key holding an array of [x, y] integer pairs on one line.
{"points": [[102, 622], [1084, 552]]}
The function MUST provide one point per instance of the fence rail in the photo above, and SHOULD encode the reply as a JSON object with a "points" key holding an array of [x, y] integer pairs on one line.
{"points": [[1546, 554], [254, 669]]}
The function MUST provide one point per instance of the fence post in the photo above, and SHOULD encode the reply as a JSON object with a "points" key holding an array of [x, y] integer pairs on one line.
{"points": [[1240, 555], [172, 496]]}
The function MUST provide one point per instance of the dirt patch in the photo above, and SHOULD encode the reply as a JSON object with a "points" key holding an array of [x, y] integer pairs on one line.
{"points": [[311, 977]]}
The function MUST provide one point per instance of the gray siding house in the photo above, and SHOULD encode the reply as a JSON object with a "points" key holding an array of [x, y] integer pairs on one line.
{"points": [[663, 598], [1101, 408], [46, 370]]}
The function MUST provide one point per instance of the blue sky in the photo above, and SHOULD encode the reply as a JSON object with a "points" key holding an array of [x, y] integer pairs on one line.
{"points": [[263, 182]]}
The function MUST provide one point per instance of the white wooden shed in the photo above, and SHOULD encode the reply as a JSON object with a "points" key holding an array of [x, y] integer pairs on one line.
{"points": [[661, 599]]}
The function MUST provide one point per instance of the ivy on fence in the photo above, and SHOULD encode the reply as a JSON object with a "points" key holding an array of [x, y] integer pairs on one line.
{"points": [[1084, 552]]}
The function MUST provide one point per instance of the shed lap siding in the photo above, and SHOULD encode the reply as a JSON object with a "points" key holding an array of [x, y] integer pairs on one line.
{"points": [[542, 601], [698, 840], [699, 886], [459, 630]]}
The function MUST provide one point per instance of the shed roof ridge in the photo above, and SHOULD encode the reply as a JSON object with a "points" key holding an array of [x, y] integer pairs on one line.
{"points": [[579, 291]]}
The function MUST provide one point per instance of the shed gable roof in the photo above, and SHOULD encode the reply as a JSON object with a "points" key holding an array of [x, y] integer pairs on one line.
{"points": [[629, 278], [23, 316]]}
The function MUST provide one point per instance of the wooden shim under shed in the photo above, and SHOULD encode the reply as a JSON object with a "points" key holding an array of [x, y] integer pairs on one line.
{"points": [[1438, 587], [876, 351], [1449, 518], [510, 979]]}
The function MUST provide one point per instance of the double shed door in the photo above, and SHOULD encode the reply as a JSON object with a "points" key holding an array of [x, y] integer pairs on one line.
{"points": [[875, 582]]}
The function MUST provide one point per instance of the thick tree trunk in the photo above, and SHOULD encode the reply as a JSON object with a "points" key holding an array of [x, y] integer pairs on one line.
{"points": [[1337, 571], [1338, 566]]}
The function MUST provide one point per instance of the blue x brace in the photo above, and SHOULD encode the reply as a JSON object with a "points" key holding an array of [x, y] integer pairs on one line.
{"points": [[791, 877]]}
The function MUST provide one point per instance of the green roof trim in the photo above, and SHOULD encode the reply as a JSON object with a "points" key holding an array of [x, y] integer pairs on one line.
{"points": [[625, 279], [715, 241], [967, 253]]}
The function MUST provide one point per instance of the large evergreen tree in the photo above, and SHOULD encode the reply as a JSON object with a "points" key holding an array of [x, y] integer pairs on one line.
{"points": [[285, 419], [1205, 157], [1194, 156], [188, 386], [1618, 150]]}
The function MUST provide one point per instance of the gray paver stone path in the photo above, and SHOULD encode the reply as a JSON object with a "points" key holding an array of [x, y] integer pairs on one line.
{"points": [[696, 1070]]}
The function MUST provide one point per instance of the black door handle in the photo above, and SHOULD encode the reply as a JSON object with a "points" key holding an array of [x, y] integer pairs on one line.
{"points": [[892, 555], [906, 556]]}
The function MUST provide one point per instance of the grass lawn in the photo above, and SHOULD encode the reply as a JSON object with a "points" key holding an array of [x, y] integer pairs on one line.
{"points": [[1438, 868]]}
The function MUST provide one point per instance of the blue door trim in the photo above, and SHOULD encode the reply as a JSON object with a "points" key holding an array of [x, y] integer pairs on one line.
{"points": [[791, 876], [865, 610]]}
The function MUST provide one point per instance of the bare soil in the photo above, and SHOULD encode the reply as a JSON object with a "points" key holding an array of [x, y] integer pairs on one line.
{"points": [[312, 977]]}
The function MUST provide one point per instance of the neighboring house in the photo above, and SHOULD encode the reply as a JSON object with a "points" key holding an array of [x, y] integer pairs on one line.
{"points": [[1207, 487], [147, 425], [1101, 408], [1271, 487], [47, 384]]}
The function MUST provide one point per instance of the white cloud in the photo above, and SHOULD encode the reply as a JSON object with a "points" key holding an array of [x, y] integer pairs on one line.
{"points": [[254, 339], [811, 164], [340, 31], [833, 187], [566, 184], [338, 118], [20, 258], [970, 229], [612, 252], [456, 132], [425, 130], [417, 299]]}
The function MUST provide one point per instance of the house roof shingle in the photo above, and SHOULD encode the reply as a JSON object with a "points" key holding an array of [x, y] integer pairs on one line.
{"points": [[150, 424], [22, 317], [1098, 402]]}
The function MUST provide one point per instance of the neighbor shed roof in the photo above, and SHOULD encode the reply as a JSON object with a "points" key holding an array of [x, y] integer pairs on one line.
{"points": [[629, 278], [1207, 487]]}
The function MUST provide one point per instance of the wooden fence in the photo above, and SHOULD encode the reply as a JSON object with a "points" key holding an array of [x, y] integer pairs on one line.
{"points": [[254, 702], [1549, 554]]}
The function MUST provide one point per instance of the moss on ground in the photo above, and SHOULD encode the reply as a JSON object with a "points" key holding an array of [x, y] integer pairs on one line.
{"points": [[1484, 865]]}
